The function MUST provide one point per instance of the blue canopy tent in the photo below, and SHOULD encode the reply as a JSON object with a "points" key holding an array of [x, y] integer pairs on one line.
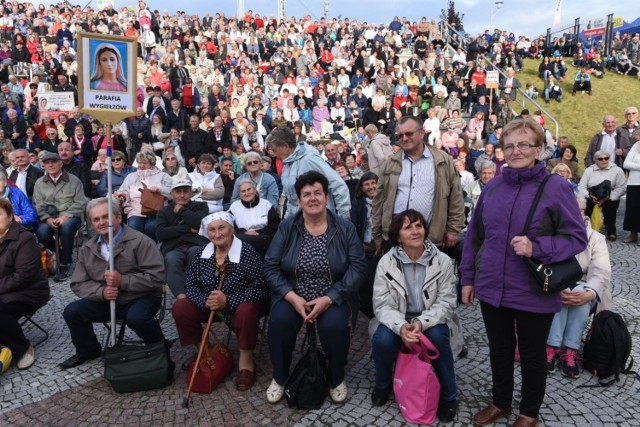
{"points": [[629, 27]]}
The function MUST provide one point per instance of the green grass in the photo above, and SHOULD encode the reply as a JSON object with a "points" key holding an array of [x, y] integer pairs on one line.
{"points": [[580, 116]]}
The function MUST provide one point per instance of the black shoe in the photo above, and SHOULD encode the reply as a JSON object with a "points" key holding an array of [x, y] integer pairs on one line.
{"points": [[380, 396], [447, 410], [74, 360], [62, 274]]}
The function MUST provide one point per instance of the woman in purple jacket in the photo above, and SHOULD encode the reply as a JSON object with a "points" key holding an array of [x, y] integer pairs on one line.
{"points": [[508, 296]]}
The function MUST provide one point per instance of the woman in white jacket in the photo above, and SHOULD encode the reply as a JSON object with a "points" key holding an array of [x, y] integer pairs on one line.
{"points": [[147, 175], [603, 170], [207, 184], [413, 293]]}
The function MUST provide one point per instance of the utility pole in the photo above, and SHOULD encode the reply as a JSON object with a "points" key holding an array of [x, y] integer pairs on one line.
{"points": [[326, 10], [240, 9], [282, 9]]}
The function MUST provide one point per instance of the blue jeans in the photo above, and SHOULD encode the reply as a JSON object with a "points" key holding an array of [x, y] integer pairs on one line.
{"points": [[332, 327], [568, 325], [385, 346], [555, 95], [545, 74], [139, 315], [143, 224], [559, 74], [67, 233]]}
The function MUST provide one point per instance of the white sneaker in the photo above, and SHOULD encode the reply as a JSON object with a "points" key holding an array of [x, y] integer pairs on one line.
{"points": [[275, 392], [27, 359], [339, 394]]}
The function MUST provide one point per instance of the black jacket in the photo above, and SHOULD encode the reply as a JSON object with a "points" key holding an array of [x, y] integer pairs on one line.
{"points": [[22, 279], [173, 229], [80, 171], [359, 215], [193, 143], [178, 121], [33, 174]]}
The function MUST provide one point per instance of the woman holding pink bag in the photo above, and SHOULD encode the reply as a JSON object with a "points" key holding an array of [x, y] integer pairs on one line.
{"points": [[414, 293]]}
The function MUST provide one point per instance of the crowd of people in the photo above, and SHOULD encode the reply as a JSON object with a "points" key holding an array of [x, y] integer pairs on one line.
{"points": [[325, 174]]}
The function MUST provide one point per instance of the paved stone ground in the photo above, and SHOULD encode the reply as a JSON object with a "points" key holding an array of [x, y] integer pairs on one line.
{"points": [[47, 396]]}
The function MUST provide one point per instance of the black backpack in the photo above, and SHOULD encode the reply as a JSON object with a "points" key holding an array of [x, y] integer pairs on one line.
{"points": [[307, 386], [607, 348]]}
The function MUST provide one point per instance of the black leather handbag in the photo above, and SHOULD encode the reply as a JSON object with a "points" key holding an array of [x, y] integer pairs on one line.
{"points": [[556, 276], [601, 191], [307, 386]]}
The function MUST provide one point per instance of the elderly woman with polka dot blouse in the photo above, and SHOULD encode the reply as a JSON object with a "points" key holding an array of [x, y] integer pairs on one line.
{"points": [[314, 267], [242, 301]]}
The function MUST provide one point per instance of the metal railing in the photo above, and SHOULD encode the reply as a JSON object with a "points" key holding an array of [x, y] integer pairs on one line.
{"points": [[524, 98], [446, 32]]}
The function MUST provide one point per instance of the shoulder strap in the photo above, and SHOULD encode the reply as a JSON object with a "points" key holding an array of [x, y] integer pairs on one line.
{"points": [[311, 336], [534, 205]]}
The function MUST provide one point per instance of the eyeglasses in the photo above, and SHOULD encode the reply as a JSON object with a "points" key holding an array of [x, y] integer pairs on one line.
{"points": [[600, 159], [253, 162], [521, 146], [51, 134], [117, 159], [633, 113], [401, 135], [171, 158]]}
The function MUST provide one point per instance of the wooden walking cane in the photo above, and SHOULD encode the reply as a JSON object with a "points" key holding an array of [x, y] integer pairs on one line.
{"points": [[204, 341]]}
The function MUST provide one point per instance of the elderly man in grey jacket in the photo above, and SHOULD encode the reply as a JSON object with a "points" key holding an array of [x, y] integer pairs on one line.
{"points": [[135, 284], [379, 148], [298, 158], [59, 200]]}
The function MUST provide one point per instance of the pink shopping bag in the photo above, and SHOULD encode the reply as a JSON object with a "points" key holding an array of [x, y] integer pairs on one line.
{"points": [[415, 384]]}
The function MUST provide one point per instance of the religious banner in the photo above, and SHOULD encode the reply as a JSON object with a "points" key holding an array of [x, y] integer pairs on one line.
{"points": [[55, 103], [107, 76]]}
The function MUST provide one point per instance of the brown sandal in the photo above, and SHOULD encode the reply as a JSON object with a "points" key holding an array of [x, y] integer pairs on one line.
{"points": [[244, 380]]}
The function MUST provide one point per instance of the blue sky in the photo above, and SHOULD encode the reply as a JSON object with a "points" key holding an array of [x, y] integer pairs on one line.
{"points": [[525, 17]]}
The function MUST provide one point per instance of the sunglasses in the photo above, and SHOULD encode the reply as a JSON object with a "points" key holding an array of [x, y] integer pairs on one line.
{"points": [[602, 158], [171, 158], [252, 162], [118, 159], [401, 135]]}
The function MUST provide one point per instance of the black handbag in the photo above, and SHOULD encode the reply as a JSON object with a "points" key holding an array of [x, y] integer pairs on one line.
{"points": [[307, 386], [130, 368], [556, 276], [601, 191]]}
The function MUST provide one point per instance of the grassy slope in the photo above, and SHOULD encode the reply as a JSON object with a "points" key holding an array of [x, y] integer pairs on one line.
{"points": [[580, 116]]}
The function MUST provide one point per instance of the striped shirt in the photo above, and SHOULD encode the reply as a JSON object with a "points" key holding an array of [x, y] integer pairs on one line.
{"points": [[416, 185]]}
